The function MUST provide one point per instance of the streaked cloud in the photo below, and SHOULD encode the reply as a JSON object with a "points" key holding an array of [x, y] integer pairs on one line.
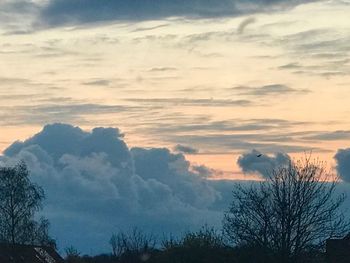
{"points": [[203, 124], [140, 29], [269, 90], [212, 143], [192, 102], [47, 113], [162, 69], [329, 136], [98, 82]]}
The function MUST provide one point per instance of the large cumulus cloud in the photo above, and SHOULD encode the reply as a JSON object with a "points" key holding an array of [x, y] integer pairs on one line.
{"points": [[58, 12], [342, 158], [96, 185], [256, 162]]}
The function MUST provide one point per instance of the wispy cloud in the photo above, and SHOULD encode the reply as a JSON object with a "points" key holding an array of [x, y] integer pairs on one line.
{"points": [[98, 82], [273, 89], [246, 22], [329, 136], [192, 102], [162, 69], [242, 142], [54, 112], [141, 29]]}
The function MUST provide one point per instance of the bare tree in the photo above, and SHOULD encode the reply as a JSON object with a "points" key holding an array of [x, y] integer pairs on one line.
{"points": [[72, 255], [287, 215], [136, 243], [20, 199]]}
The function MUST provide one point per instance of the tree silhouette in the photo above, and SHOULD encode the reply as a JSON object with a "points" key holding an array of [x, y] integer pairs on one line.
{"points": [[134, 246], [202, 246], [72, 255], [289, 214], [19, 200]]}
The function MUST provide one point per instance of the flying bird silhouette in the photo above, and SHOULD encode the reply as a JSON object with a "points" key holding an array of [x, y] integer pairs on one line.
{"points": [[259, 155]]}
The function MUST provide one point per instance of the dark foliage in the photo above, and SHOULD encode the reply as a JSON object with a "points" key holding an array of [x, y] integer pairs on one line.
{"points": [[20, 199], [204, 246]]}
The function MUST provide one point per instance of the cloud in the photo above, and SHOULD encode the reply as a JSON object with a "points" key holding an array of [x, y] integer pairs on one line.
{"points": [[235, 125], [140, 29], [273, 89], [256, 162], [293, 65], [23, 97], [246, 22], [329, 136], [185, 149], [193, 102], [218, 142], [58, 12], [327, 50], [162, 69], [210, 136], [342, 158], [16, 16], [14, 81], [329, 68], [96, 185], [203, 170], [174, 171], [98, 82], [55, 112]]}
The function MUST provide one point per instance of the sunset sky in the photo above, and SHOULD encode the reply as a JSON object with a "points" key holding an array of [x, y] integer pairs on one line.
{"points": [[209, 79], [275, 79]]}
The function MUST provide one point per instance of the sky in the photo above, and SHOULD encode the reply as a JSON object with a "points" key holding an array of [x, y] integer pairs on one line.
{"points": [[188, 94]]}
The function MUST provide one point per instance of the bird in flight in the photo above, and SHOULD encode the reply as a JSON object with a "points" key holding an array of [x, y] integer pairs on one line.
{"points": [[259, 155]]}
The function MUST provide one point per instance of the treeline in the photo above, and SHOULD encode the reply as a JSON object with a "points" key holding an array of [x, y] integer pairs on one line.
{"points": [[285, 218], [204, 246]]}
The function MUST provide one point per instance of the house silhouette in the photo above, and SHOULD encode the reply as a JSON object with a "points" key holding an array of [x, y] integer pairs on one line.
{"points": [[338, 250], [28, 254]]}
